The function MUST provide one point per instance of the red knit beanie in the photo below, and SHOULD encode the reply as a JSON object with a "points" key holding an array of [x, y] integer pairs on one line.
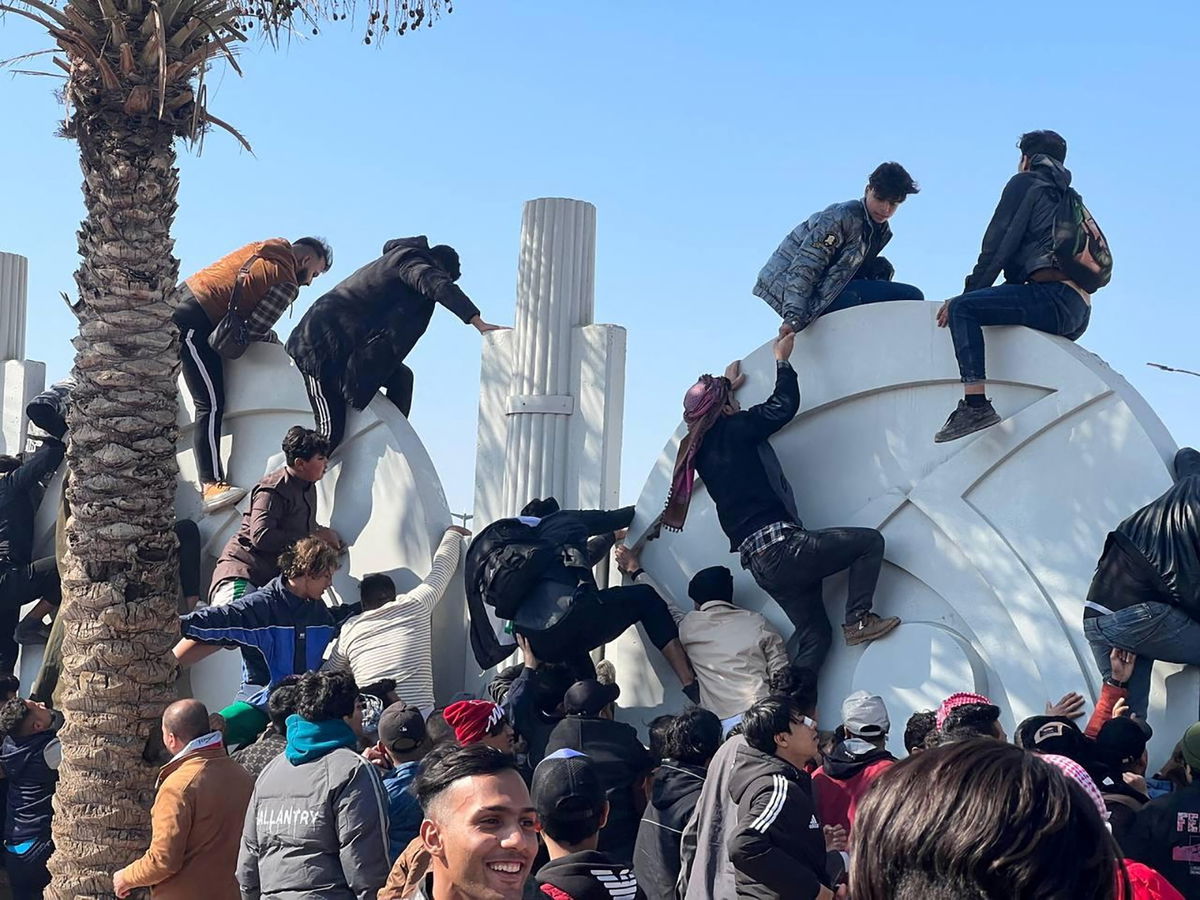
{"points": [[472, 719]]}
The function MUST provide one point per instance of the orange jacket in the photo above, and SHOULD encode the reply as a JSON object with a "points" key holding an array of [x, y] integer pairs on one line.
{"points": [[196, 829], [213, 286]]}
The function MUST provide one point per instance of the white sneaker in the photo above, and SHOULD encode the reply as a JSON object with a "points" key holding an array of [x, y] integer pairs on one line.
{"points": [[220, 495]]}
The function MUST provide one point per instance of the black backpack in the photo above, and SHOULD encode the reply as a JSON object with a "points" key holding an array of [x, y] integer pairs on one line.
{"points": [[1080, 248], [505, 562]]}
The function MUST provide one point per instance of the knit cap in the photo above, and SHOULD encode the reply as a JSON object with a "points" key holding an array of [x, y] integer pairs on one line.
{"points": [[472, 719]]}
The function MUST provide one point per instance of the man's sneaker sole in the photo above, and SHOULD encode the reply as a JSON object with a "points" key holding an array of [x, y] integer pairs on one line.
{"points": [[865, 636], [226, 499], [942, 438]]}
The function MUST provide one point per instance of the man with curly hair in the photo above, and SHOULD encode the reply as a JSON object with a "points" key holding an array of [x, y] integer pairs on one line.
{"points": [[30, 755]]}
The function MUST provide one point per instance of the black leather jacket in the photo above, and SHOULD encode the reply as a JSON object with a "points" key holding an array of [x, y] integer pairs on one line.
{"points": [[1020, 238]]}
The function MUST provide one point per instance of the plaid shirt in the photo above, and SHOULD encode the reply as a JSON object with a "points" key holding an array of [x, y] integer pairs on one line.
{"points": [[764, 538], [264, 316]]}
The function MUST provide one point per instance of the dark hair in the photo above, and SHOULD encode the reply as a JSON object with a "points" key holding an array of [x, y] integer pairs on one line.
{"points": [[447, 258], [979, 820], [325, 696], [555, 679], [799, 682], [767, 718], [918, 728], [375, 587], [9, 684], [9, 463], [891, 181], [438, 730], [308, 557], [12, 714], [971, 720], [442, 769], [317, 245], [693, 737], [1050, 143], [283, 704], [659, 726], [303, 443]]}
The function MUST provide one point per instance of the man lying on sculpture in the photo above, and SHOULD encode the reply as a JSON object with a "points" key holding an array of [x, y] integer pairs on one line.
{"points": [[1145, 595], [536, 571], [249, 289], [282, 629], [1053, 256], [730, 449], [353, 341], [831, 261]]}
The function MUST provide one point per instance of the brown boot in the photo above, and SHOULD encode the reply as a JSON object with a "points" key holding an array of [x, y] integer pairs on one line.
{"points": [[869, 628]]}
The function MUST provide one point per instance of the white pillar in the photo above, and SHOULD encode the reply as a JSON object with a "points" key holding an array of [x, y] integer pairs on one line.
{"points": [[14, 270]]}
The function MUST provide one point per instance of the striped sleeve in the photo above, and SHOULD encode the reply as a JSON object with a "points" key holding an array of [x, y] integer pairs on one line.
{"points": [[445, 564]]}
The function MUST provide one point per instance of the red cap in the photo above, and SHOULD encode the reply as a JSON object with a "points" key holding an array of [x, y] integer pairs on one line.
{"points": [[472, 719]]}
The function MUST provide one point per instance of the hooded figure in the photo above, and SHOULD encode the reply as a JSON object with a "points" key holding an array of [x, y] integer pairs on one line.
{"points": [[854, 763]]}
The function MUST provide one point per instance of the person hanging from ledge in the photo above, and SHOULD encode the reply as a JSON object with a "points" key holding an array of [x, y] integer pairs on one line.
{"points": [[831, 260], [219, 311], [353, 341], [283, 509], [1145, 596], [730, 449], [536, 571], [1053, 256]]}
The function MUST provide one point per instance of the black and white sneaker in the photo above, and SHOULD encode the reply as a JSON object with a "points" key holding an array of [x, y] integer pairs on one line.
{"points": [[967, 419]]}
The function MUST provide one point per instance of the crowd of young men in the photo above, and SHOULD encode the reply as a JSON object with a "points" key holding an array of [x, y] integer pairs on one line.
{"points": [[336, 772]]}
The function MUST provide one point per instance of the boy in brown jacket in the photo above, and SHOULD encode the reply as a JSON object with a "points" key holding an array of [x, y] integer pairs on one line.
{"points": [[197, 815]]}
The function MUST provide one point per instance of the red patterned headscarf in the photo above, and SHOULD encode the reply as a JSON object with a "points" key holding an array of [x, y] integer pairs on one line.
{"points": [[702, 405]]}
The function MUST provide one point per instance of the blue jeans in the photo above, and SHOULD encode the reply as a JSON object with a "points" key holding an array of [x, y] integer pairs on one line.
{"points": [[1052, 307], [1153, 631], [860, 292]]}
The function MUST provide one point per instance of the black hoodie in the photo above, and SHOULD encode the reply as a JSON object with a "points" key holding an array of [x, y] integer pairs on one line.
{"points": [[365, 325], [672, 800], [31, 783], [778, 847], [588, 875]]}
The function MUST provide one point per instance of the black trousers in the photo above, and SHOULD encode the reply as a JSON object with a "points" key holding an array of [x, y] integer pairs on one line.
{"points": [[20, 585], [598, 617], [27, 872], [329, 406], [792, 570], [204, 375]]}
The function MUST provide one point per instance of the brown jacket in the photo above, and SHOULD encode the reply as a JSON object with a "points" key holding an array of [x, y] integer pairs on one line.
{"points": [[197, 829], [213, 286], [407, 872], [283, 509]]}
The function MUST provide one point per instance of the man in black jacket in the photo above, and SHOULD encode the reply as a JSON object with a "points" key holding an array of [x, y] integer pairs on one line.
{"points": [[778, 846], [22, 578], [1165, 833], [352, 342], [729, 448], [31, 754], [1019, 241], [691, 740], [621, 761], [1145, 595]]}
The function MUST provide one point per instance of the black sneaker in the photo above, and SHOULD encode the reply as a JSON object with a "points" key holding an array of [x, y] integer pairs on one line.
{"points": [[966, 420]]}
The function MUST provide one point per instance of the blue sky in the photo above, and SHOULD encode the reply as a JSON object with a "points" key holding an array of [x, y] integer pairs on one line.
{"points": [[702, 132]]}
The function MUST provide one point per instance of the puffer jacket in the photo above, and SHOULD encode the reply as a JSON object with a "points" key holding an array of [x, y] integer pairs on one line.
{"points": [[361, 330], [818, 259], [673, 799], [1020, 238], [317, 825]]}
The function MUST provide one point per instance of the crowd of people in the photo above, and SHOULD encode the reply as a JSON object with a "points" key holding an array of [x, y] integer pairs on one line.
{"points": [[335, 770]]}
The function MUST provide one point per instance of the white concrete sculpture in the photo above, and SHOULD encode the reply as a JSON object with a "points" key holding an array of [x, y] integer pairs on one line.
{"points": [[552, 389], [20, 379], [991, 540]]}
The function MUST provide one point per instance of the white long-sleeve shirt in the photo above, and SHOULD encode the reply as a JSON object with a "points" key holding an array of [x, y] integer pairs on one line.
{"points": [[733, 650], [396, 640]]}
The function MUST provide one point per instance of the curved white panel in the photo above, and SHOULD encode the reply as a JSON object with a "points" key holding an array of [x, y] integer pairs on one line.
{"points": [[991, 540]]}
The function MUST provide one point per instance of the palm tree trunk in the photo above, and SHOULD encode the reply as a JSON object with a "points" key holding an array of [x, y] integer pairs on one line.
{"points": [[119, 583]]}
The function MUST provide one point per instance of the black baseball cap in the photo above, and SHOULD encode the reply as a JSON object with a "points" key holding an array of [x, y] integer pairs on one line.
{"points": [[401, 727], [567, 793], [588, 697]]}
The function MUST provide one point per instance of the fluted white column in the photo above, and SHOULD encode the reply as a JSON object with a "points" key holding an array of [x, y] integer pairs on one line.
{"points": [[555, 296], [14, 270]]}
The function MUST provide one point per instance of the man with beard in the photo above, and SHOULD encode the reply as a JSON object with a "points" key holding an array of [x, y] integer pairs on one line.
{"points": [[256, 283], [480, 826]]}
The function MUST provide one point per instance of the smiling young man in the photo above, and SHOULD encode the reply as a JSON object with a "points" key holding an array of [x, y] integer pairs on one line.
{"points": [[831, 260], [480, 826]]}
